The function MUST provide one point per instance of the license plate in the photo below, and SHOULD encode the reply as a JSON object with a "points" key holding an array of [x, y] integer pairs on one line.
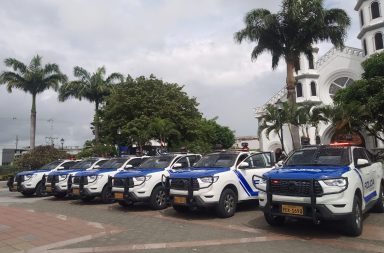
{"points": [[295, 210], [48, 189], [75, 191], [119, 195], [179, 200]]}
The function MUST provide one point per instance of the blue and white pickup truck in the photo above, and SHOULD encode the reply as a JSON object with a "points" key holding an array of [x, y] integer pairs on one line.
{"points": [[94, 183], [219, 179], [32, 181], [324, 183], [144, 182], [57, 181]]}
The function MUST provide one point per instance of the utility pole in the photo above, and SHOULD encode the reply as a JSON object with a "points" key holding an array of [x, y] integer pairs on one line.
{"points": [[17, 141]]}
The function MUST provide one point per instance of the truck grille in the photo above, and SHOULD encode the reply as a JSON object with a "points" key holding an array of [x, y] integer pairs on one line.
{"points": [[19, 179], [182, 184], [80, 180], [300, 188], [120, 182]]}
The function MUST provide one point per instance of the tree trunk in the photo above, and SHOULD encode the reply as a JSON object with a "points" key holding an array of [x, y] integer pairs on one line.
{"points": [[96, 122], [291, 96], [32, 134]]}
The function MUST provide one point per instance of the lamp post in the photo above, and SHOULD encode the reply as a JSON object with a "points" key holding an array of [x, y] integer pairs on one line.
{"points": [[62, 143], [280, 107], [118, 141]]}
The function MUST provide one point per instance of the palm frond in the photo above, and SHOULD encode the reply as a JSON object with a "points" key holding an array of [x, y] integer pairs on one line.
{"points": [[16, 65]]}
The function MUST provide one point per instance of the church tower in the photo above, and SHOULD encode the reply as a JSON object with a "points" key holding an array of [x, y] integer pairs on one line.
{"points": [[371, 14]]}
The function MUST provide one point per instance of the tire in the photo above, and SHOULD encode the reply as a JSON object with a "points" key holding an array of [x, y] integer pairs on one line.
{"points": [[27, 194], [40, 191], [106, 195], [275, 221], [227, 204], [87, 199], [158, 199], [181, 209], [379, 206], [125, 203], [354, 223]]}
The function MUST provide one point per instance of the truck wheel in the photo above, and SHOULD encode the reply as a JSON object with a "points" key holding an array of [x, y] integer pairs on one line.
{"points": [[181, 209], [274, 221], [125, 203], [87, 199], [354, 223], [106, 195], [227, 204], [60, 195], [379, 206], [40, 191], [158, 199]]}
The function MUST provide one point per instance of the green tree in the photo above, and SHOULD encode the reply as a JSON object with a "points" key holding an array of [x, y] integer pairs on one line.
{"points": [[291, 32], [272, 121], [138, 131], [38, 157], [33, 79], [93, 87], [99, 149], [163, 129]]}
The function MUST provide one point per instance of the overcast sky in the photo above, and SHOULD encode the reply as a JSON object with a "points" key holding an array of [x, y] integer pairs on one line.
{"points": [[187, 42]]}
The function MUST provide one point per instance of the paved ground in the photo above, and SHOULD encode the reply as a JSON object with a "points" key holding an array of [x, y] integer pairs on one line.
{"points": [[69, 226]]}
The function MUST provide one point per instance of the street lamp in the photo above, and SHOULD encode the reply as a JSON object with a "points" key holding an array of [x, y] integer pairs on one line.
{"points": [[62, 143], [280, 107]]}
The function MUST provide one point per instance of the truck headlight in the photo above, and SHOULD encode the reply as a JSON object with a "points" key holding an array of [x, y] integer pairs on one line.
{"points": [[62, 177], [29, 177], [92, 179], [209, 180], [142, 178], [340, 182]]}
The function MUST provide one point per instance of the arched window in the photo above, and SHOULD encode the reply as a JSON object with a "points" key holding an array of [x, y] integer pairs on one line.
{"points": [[375, 10], [365, 47], [338, 84], [378, 41], [361, 17], [311, 64], [299, 90], [313, 89]]}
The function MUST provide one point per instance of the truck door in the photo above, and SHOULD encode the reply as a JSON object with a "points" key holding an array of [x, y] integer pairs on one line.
{"points": [[367, 173]]}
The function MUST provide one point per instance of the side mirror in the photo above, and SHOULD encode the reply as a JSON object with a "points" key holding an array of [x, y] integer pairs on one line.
{"points": [[280, 164], [362, 162], [60, 167], [96, 167], [243, 165], [128, 166], [177, 165]]}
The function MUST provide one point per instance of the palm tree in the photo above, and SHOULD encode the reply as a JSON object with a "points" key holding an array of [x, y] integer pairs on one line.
{"points": [[273, 121], [33, 79], [92, 87], [291, 32]]}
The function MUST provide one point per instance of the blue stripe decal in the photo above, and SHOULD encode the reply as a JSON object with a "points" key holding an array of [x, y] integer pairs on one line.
{"points": [[245, 185], [370, 196]]}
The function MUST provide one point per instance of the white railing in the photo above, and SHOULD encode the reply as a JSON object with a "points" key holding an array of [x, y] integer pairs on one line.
{"points": [[259, 111]]}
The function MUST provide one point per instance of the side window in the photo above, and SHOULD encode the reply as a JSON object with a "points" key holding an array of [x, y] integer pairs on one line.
{"points": [[359, 153], [101, 162], [259, 161], [68, 165], [193, 159], [135, 162], [368, 155], [241, 158], [184, 162]]}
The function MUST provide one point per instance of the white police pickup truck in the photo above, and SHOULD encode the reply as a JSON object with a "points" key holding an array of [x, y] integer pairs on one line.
{"points": [[32, 181], [219, 179], [59, 182], [94, 183], [324, 183], [144, 182]]}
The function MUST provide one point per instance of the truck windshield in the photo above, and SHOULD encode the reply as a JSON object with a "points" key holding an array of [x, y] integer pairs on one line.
{"points": [[83, 165], [157, 162], [114, 163], [51, 166], [216, 161], [321, 156]]}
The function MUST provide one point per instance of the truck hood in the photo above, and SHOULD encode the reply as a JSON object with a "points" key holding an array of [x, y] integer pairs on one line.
{"points": [[94, 172], [63, 172], [136, 173], [31, 172], [196, 172], [307, 172]]}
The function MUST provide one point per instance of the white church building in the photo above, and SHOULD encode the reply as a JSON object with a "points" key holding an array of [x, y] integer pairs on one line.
{"points": [[319, 80]]}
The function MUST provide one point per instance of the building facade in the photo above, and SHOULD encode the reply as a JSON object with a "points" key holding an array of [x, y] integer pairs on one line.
{"points": [[318, 81]]}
